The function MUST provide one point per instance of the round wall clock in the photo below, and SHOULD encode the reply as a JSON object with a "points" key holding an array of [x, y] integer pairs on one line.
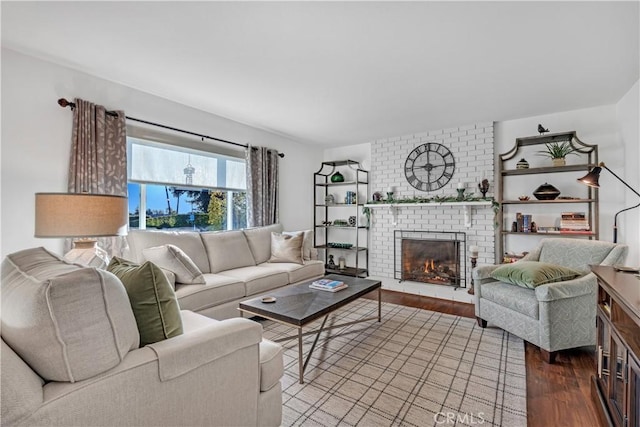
{"points": [[429, 166]]}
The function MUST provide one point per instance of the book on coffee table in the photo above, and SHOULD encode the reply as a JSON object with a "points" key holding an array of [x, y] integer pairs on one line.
{"points": [[328, 285], [336, 289]]}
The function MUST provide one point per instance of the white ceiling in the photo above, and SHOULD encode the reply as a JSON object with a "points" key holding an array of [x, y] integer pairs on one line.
{"points": [[338, 73]]}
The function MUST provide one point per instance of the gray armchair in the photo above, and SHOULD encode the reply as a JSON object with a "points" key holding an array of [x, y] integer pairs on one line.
{"points": [[553, 316]]}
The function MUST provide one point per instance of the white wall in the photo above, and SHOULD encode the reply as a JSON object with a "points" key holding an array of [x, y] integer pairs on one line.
{"points": [[628, 116], [593, 126], [36, 141]]}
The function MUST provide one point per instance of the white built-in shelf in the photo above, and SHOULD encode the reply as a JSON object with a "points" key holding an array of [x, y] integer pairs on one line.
{"points": [[466, 206]]}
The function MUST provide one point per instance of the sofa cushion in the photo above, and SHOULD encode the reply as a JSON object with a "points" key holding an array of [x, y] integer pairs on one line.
{"points": [[189, 241], [67, 322], [522, 300], [259, 240], [227, 250], [286, 248], [271, 364], [297, 272], [307, 242], [530, 274], [257, 279], [217, 289], [152, 299], [193, 321], [172, 258]]}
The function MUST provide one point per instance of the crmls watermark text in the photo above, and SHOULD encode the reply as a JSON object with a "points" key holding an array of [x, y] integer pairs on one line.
{"points": [[470, 418]]}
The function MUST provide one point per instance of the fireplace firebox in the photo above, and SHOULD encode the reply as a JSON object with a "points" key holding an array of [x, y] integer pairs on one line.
{"points": [[431, 257]]}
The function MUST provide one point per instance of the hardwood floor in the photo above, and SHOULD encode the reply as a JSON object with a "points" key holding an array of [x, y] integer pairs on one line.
{"points": [[557, 395]]}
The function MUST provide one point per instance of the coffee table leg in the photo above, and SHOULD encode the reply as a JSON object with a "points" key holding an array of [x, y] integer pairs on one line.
{"points": [[380, 304], [300, 367]]}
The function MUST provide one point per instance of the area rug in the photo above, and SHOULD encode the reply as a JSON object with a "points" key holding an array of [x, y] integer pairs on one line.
{"points": [[415, 368]]}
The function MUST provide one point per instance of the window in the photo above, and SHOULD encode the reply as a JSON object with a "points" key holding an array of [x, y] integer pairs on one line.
{"points": [[184, 188]]}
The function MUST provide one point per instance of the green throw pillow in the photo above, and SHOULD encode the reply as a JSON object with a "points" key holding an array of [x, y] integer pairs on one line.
{"points": [[530, 274], [152, 298]]}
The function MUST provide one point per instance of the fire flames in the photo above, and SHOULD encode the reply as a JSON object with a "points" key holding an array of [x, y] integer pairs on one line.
{"points": [[429, 266]]}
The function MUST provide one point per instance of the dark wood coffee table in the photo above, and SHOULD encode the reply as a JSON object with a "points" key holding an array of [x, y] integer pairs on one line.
{"points": [[299, 305]]}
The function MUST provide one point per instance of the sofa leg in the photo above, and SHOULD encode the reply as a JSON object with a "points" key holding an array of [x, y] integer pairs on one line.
{"points": [[481, 322], [548, 356]]}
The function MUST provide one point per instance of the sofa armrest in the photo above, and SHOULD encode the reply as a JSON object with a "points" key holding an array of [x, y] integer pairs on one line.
{"points": [[583, 285], [186, 352], [220, 381]]}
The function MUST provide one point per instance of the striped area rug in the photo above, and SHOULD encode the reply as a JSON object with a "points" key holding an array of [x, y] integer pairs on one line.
{"points": [[415, 368]]}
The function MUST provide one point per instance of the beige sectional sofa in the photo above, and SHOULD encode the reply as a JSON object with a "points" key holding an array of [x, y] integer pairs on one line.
{"points": [[235, 266], [71, 357]]}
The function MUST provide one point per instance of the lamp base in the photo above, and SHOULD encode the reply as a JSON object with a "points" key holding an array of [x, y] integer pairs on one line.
{"points": [[87, 253]]}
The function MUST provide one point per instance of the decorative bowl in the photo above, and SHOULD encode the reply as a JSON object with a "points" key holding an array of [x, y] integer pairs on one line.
{"points": [[523, 198], [546, 192]]}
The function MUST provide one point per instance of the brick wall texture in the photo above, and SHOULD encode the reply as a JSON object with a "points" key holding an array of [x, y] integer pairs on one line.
{"points": [[473, 149]]}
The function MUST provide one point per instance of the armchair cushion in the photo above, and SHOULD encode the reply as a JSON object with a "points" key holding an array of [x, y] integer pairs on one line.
{"points": [[530, 274], [516, 298], [152, 298], [68, 323], [172, 258]]}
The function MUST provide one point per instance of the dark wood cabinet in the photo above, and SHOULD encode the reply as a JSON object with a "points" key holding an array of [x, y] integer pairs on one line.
{"points": [[616, 384]]}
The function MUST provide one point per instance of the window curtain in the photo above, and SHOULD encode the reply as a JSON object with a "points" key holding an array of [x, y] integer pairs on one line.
{"points": [[98, 162], [262, 186]]}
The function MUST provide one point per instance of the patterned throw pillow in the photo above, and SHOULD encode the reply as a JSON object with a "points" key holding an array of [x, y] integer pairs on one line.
{"points": [[152, 298], [530, 274]]}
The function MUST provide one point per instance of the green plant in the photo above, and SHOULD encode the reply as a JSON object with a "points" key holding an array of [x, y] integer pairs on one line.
{"points": [[367, 212], [557, 150]]}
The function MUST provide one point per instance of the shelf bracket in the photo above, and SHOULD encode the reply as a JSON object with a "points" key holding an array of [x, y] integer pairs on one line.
{"points": [[393, 211], [467, 216]]}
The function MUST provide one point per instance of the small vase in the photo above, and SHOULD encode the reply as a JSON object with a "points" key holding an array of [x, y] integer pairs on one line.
{"points": [[559, 161], [522, 164], [337, 177]]}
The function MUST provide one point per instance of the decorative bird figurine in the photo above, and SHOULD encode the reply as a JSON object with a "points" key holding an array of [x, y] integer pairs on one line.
{"points": [[542, 129]]}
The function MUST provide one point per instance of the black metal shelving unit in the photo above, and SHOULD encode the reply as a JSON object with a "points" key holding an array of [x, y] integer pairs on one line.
{"points": [[358, 253]]}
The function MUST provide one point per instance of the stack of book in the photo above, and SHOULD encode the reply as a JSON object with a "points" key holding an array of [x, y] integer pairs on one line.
{"points": [[523, 223], [328, 285], [574, 222]]}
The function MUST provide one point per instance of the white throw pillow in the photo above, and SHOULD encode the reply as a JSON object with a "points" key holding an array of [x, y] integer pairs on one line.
{"points": [[172, 258], [307, 242], [286, 248]]}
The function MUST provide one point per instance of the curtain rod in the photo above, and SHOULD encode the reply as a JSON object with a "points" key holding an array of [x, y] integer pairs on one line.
{"points": [[64, 103]]}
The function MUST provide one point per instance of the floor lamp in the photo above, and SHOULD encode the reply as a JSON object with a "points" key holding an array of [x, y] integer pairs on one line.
{"points": [[83, 216], [591, 179]]}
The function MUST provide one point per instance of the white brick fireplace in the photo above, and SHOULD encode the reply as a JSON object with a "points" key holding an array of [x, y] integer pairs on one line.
{"points": [[473, 149]]}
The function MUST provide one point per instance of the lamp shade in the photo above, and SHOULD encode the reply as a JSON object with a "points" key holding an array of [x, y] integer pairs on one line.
{"points": [[591, 179], [80, 215]]}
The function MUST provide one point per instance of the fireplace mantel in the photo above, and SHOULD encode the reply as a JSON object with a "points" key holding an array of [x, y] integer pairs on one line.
{"points": [[466, 206]]}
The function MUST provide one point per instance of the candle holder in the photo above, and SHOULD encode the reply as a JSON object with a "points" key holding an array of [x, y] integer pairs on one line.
{"points": [[460, 194], [484, 187], [473, 257], [390, 196]]}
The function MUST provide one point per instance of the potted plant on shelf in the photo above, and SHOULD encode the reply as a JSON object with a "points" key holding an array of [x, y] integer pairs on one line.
{"points": [[557, 151]]}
